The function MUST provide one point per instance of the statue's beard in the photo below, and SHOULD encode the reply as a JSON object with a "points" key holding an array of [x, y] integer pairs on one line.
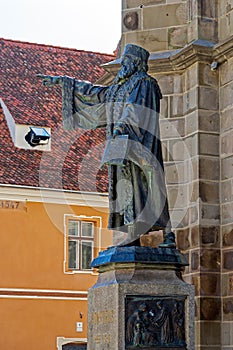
{"points": [[125, 72]]}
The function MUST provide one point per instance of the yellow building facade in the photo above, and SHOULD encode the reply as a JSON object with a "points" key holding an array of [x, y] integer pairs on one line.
{"points": [[43, 295]]}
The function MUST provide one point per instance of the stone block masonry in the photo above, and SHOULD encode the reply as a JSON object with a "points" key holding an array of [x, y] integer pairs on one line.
{"points": [[157, 25]]}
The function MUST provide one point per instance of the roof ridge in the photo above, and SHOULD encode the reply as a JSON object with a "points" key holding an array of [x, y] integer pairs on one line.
{"points": [[56, 47]]}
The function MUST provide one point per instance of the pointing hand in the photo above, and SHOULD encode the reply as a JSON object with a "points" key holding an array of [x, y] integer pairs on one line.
{"points": [[49, 80]]}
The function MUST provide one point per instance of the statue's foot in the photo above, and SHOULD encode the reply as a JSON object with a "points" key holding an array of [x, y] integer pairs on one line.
{"points": [[167, 244], [169, 241]]}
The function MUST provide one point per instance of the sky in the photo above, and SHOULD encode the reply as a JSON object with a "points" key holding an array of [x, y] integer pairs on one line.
{"points": [[91, 25]]}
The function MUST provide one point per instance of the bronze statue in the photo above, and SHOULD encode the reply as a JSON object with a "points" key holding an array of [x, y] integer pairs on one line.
{"points": [[129, 110], [156, 322], [165, 322]]}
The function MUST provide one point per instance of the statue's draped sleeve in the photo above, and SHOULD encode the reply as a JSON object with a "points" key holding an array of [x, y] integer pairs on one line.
{"points": [[83, 104], [140, 120]]}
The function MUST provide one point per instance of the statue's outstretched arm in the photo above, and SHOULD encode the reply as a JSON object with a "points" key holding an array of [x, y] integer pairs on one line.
{"points": [[49, 80]]}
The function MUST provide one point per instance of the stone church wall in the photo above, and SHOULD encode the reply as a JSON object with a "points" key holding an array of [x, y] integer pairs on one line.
{"points": [[191, 46]]}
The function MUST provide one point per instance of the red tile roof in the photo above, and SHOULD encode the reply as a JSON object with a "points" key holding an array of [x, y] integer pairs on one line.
{"points": [[72, 162]]}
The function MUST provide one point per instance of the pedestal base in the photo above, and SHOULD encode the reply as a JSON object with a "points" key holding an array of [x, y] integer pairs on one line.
{"points": [[140, 301]]}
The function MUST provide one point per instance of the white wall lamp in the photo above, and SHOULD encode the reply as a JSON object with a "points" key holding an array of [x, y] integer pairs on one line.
{"points": [[37, 136]]}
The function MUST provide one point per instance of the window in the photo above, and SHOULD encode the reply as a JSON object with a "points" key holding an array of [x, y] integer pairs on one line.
{"points": [[80, 244]]}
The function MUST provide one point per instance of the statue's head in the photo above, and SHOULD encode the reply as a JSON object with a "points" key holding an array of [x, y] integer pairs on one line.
{"points": [[136, 52], [143, 307], [159, 304], [134, 59]]}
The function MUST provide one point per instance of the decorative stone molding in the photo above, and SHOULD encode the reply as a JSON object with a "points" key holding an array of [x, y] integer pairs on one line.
{"points": [[179, 60]]}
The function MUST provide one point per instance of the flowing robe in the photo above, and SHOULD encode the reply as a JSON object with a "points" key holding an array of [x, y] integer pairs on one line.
{"points": [[165, 322], [137, 190]]}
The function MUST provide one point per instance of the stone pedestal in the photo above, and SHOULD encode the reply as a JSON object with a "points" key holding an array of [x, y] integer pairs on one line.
{"points": [[140, 301]]}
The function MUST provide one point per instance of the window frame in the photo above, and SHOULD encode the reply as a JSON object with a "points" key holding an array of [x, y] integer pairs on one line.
{"points": [[94, 238]]}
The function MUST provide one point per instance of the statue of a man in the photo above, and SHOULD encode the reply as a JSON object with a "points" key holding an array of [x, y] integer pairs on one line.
{"points": [[129, 110]]}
